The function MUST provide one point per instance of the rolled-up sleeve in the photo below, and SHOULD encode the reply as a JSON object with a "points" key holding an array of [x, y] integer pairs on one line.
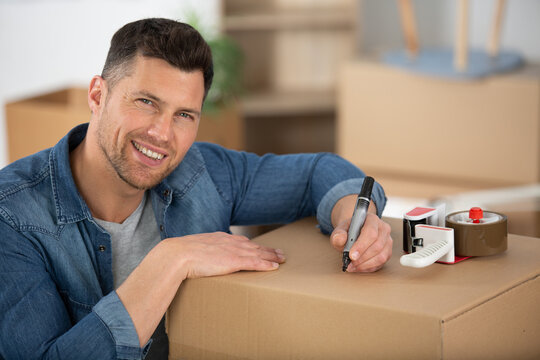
{"points": [[344, 188], [114, 315], [283, 188]]}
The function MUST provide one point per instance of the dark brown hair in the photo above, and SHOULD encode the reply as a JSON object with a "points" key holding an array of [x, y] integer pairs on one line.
{"points": [[177, 43]]}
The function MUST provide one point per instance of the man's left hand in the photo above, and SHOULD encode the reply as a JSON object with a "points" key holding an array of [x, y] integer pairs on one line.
{"points": [[374, 245]]}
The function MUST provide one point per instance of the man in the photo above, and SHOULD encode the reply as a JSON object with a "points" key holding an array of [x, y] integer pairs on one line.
{"points": [[99, 232]]}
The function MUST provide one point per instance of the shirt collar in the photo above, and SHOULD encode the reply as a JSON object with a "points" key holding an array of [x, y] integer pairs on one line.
{"points": [[69, 204]]}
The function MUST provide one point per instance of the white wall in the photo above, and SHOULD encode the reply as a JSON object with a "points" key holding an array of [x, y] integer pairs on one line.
{"points": [[436, 20], [49, 44]]}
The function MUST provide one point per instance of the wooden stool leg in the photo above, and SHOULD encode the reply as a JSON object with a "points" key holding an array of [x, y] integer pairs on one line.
{"points": [[460, 55], [494, 38], [408, 25]]}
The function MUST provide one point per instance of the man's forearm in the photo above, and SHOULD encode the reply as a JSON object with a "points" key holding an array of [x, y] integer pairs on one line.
{"points": [[151, 287]]}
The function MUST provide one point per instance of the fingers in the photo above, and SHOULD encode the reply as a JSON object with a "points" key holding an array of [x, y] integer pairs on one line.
{"points": [[374, 263], [367, 240], [221, 253], [264, 253], [252, 263], [373, 247], [338, 238], [257, 258], [247, 247]]}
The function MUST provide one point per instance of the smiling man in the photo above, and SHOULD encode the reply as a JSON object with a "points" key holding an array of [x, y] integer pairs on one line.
{"points": [[99, 232]]}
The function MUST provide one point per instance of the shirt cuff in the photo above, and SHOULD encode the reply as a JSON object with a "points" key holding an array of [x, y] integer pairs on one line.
{"points": [[344, 188], [114, 315]]}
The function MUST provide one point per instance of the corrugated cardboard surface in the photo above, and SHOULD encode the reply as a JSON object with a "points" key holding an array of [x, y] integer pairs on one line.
{"points": [[445, 130], [483, 307]]}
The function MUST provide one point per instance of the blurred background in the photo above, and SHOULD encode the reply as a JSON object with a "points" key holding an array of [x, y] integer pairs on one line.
{"points": [[305, 76]]}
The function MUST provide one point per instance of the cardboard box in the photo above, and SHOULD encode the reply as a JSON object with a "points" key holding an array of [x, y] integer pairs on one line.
{"points": [[308, 309], [467, 134], [223, 126], [38, 122]]}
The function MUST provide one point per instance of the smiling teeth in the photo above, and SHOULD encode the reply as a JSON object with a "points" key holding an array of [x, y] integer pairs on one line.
{"points": [[151, 154]]}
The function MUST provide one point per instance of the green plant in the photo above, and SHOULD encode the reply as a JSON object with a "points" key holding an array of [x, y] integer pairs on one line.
{"points": [[228, 63]]}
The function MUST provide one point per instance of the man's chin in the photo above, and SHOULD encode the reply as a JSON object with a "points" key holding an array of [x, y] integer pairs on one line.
{"points": [[142, 186], [142, 177], [142, 182]]}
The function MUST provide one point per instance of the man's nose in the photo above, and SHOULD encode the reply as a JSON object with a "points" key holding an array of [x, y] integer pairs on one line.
{"points": [[161, 128]]}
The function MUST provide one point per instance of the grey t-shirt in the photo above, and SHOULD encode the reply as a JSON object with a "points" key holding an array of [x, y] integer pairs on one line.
{"points": [[132, 239]]}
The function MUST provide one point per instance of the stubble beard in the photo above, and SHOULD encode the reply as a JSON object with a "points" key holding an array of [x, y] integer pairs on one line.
{"points": [[135, 175]]}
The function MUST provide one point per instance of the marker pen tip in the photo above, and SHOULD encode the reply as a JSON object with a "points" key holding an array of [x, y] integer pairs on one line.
{"points": [[346, 261]]}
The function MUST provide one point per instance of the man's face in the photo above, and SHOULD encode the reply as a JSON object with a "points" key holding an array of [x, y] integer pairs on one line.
{"points": [[150, 120]]}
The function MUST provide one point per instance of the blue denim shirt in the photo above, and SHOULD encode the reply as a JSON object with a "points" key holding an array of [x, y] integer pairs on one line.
{"points": [[56, 291]]}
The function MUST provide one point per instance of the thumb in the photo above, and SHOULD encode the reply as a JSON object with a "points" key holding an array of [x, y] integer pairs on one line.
{"points": [[338, 238]]}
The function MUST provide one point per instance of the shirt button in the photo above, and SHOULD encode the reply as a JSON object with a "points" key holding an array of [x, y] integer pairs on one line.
{"points": [[161, 228], [166, 193], [102, 248]]}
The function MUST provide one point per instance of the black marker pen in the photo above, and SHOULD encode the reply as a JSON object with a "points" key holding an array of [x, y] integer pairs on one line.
{"points": [[358, 218]]}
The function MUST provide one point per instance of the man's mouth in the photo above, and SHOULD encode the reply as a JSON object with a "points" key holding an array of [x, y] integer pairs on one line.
{"points": [[149, 153]]}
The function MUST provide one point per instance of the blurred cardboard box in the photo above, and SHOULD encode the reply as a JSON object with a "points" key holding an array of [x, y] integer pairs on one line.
{"points": [[426, 134], [38, 122], [224, 126], [484, 307]]}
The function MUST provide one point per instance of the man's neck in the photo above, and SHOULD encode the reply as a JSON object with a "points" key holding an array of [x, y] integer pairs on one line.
{"points": [[108, 197]]}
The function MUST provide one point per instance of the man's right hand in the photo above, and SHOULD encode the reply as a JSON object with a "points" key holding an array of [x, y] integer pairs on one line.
{"points": [[150, 288], [220, 253]]}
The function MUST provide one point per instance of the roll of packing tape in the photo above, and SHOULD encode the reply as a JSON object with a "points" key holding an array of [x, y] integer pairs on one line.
{"points": [[478, 235]]}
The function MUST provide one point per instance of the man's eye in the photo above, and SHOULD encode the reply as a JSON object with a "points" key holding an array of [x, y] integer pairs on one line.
{"points": [[185, 115], [146, 101]]}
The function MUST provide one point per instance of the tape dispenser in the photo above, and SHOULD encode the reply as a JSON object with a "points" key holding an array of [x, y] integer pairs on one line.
{"points": [[429, 237], [425, 239]]}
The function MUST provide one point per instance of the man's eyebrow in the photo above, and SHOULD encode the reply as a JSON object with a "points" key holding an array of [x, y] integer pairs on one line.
{"points": [[193, 111], [148, 95]]}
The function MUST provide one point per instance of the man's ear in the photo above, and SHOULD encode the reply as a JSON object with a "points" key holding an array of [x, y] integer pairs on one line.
{"points": [[97, 93]]}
